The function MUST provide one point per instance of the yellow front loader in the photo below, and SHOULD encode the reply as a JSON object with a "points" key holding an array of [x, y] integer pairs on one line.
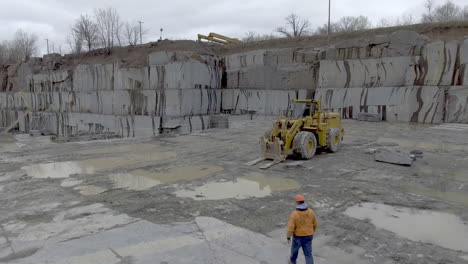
{"points": [[299, 135]]}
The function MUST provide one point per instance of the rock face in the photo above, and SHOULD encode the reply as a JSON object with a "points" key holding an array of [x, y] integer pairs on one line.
{"points": [[402, 76]]}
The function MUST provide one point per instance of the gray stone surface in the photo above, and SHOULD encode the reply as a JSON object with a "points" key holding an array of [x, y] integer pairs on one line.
{"points": [[393, 158], [206, 240]]}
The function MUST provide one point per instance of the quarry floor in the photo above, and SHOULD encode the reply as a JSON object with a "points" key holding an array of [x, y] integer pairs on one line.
{"points": [[191, 199]]}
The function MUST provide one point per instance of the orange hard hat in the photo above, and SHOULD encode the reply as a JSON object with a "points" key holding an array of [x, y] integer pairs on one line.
{"points": [[300, 198]]}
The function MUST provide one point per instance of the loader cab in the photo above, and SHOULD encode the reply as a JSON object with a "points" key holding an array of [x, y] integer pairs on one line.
{"points": [[304, 108]]}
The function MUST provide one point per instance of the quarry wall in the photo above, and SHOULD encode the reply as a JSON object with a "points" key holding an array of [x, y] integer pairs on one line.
{"points": [[401, 76]]}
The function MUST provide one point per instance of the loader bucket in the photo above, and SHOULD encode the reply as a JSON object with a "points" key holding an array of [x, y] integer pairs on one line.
{"points": [[271, 150]]}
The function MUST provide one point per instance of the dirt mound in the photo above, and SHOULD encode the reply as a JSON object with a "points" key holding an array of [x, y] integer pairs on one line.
{"points": [[137, 56], [446, 31]]}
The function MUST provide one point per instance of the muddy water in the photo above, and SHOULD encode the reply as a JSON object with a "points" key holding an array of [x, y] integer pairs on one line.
{"points": [[57, 170], [251, 185], [143, 179], [65, 169], [455, 197], [442, 229]]}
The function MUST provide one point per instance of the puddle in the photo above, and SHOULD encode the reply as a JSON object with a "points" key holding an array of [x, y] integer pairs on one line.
{"points": [[144, 179], [88, 190], [57, 170], [251, 185], [275, 183], [454, 197], [67, 168], [119, 149], [442, 229]]}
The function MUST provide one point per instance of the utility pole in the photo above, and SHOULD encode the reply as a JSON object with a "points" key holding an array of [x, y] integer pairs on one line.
{"points": [[47, 40], [141, 33], [329, 22], [160, 38]]}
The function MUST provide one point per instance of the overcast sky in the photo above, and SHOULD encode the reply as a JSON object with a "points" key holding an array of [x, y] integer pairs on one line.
{"points": [[184, 19]]}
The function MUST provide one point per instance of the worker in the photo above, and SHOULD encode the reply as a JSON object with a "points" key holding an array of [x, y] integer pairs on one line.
{"points": [[301, 227]]}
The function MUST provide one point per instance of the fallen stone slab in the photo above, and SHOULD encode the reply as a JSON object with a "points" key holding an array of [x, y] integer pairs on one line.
{"points": [[369, 117], [393, 158]]}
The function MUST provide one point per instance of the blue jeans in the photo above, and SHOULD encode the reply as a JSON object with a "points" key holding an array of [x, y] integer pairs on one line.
{"points": [[306, 244]]}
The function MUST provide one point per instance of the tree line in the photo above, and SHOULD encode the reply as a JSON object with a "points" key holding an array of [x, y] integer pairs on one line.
{"points": [[22, 47], [296, 26], [103, 29]]}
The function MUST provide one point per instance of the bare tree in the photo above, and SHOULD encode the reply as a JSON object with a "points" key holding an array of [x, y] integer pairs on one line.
{"points": [[131, 33], [56, 48], [75, 43], [428, 17], [465, 13], [349, 23], [87, 29], [4, 53], [447, 12], [323, 30], [253, 36], [25, 44], [405, 20], [109, 26], [295, 26], [384, 22]]}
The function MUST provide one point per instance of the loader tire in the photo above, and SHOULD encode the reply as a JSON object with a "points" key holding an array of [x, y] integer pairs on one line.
{"points": [[305, 145], [333, 139]]}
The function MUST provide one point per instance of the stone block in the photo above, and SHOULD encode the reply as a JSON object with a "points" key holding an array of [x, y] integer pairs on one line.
{"points": [[94, 77], [132, 79], [288, 77], [263, 102], [393, 158], [457, 105], [246, 59], [424, 104], [389, 71], [436, 65], [180, 75], [369, 117]]}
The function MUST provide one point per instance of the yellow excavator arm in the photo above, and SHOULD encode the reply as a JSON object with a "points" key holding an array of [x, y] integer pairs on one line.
{"points": [[218, 38]]}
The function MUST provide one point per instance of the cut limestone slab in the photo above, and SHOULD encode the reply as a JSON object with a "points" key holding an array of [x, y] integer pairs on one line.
{"points": [[393, 158]]}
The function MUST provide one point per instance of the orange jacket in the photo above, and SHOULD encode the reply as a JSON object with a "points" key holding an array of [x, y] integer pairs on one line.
{"points": [[302, 223]]}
